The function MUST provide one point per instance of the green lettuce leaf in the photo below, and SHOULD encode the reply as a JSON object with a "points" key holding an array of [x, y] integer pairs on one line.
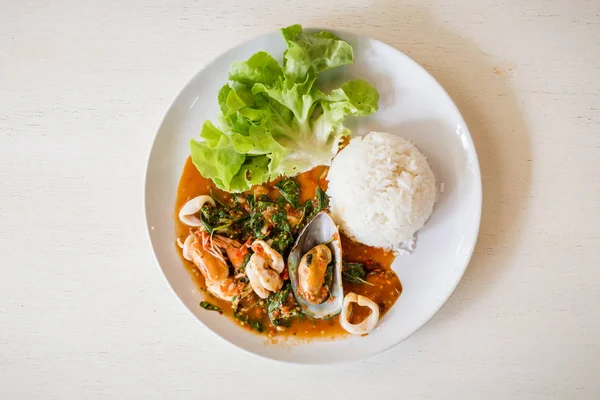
{"points": [[253, 171], [273, 120], [308, 54], [218, 164], [260, 68]]}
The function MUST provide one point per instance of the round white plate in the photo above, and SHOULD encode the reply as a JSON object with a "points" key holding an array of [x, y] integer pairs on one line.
{"points": [[412, 105]]}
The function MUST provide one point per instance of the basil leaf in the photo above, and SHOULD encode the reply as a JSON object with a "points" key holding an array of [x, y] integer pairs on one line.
{"points": [[211, 307]]}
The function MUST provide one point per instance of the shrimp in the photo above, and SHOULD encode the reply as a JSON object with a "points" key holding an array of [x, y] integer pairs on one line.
{"points": [[271, 256], [311, 274], [189, 209], [262, 279], [213, 266], [236, 252], [227, 289]]}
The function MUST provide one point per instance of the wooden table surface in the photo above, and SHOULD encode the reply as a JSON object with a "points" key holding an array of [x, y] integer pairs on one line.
{"points": [[84, 311]]}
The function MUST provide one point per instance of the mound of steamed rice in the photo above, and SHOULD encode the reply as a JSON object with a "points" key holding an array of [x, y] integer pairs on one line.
{"points": [[382, 190]]}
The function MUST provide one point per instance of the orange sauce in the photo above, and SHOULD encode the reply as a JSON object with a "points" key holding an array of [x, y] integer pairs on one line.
{"points": [[384, 287]]}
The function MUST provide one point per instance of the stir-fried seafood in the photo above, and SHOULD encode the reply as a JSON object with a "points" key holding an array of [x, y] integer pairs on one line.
{"points": [[278, 262], [271, 256], [188, 212], [209, 259], [185, 246], [368, 324], [263, 279], [311, 274], [236, 252], [264, 268]]}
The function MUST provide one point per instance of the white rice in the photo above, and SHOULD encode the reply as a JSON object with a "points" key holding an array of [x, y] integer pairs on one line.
{"points": [[382, 190]]}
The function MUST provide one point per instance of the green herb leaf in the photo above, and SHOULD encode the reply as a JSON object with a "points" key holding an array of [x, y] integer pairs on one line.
{"points": [[211, 229], [354, 273], [263, 205], [308, 212], [281, 202], [282, 242], [246, 261], [313, 206], [322, 199], [211, 307], [328, 276], [205, 221], [282, 306], [290, 189], [257, 326], [256, 223]]}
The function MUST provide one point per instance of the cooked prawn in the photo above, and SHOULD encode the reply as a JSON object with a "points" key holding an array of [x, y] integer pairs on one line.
{"points": [[236, 252], [211, 263]]}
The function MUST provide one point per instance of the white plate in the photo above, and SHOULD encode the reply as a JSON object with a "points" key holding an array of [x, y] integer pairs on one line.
{"points": [[412, 105]]}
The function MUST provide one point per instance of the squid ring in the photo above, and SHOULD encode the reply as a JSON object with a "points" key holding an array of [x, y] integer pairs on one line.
{"points": [[365, 326], [189, 209]]}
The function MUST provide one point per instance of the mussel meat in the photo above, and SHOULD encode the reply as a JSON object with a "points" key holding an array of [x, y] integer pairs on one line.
{"points": [[315, 267]]}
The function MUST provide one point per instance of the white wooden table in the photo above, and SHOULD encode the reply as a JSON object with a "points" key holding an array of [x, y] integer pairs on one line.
{"points": [[84, 311]]}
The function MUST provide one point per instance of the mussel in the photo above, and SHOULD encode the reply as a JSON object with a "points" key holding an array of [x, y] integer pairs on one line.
{"points": [[315, 268]]}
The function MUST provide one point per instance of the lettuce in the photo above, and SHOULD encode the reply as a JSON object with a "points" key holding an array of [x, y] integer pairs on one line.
{"points": [[273, 120]]}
